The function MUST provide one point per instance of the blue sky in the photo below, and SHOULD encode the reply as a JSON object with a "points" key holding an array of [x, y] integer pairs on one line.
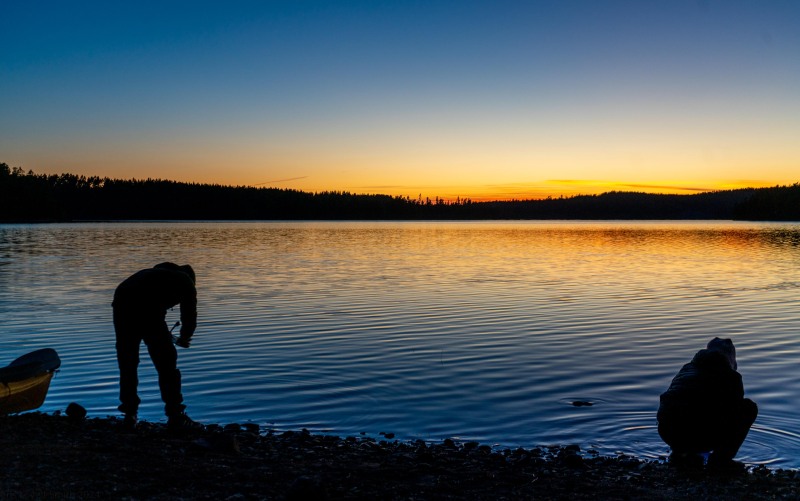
{"points": [[481, 99]]}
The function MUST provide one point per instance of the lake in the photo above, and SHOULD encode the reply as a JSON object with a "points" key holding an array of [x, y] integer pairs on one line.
{"points": [[485, 331]]}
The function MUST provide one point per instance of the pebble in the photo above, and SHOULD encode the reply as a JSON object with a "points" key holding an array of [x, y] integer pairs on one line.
{"points": [[304, 488], [232, 428], [252, 427], [573, 461], [295, 466], [76, 412]]}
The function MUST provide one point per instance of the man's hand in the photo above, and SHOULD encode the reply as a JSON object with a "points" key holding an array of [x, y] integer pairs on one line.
{"points": [[183, 342]]}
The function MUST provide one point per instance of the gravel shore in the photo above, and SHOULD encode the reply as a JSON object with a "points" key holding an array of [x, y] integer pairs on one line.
{"points": [[45, 456]]}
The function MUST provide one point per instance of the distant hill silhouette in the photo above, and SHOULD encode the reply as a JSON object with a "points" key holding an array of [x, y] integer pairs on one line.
{"points": [[781, 203], [26, 196]]}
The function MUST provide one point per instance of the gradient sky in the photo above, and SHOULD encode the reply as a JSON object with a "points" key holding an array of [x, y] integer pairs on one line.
{"points": [[478, 99]]}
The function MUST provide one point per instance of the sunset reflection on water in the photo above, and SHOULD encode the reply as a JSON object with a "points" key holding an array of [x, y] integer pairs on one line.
{"points": [[485, 331]]}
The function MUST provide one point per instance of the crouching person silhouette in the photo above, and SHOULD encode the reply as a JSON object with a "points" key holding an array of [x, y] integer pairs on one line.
{"points": [[140, 308], [704, 409]]}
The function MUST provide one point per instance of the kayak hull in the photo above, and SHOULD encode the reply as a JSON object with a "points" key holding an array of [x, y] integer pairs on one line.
{"points": [[25, 381], [25, 395]]}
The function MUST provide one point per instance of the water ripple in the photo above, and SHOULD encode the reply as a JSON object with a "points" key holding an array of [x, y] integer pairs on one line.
{"points": [[483, 331]]}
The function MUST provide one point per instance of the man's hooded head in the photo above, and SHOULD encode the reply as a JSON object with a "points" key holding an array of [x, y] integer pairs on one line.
{"points": [[726, 348], [183, 269]]}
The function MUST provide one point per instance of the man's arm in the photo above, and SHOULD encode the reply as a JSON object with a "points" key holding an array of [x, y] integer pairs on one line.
{"points": [[188, 314]]}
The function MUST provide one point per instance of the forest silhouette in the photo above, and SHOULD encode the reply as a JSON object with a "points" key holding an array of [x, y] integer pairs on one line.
{"points": [[30, 197]]}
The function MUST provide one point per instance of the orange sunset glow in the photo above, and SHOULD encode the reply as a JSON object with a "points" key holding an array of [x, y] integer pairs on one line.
{"points": [[486, 101]]}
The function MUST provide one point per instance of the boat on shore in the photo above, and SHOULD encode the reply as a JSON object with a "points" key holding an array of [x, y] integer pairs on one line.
{"points": [[25, 381]]}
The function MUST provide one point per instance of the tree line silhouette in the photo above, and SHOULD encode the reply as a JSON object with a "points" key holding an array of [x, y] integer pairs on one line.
{"points": [[26, 196]]}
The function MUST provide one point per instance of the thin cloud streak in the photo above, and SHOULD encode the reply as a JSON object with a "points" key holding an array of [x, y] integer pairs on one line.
{"points": [[665, 187], [281, 180]]}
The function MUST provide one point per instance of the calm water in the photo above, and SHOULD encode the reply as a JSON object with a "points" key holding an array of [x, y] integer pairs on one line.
{"points": [[479, 331]]}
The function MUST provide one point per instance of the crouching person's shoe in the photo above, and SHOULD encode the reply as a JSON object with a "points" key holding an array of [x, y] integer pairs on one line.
{"points": [[686, 460], [725, 466], [181, 423]]}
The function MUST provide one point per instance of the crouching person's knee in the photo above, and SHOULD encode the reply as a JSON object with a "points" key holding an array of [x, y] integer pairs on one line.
{"points": [[749, 410]]}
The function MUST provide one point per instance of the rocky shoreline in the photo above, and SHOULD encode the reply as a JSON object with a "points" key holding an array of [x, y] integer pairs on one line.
{"points": [[45, 456]]}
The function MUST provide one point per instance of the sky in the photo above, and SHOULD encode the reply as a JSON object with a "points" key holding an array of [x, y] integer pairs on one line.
{"points": [[487, 100]]}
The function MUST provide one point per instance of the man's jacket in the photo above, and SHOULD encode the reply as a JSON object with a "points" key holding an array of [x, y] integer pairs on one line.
{"points": [[149, 293], [707, 387]]}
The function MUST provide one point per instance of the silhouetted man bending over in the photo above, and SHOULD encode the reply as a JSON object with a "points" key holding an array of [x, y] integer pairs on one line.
{"points": [[140, 307], [704, 408]]}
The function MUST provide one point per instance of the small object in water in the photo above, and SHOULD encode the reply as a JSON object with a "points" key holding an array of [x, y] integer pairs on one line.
{"points": [[582, 403]]}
